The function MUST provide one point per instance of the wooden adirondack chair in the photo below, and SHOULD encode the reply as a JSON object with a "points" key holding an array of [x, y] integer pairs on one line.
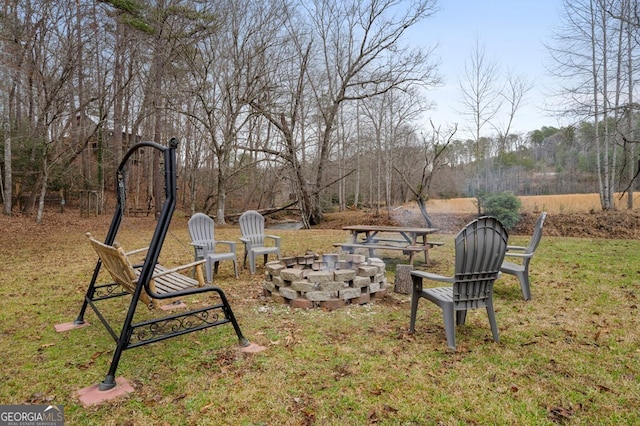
{"points": [[479, 251], [163, 281], [201, 230], [254, 239], [525, 254]]}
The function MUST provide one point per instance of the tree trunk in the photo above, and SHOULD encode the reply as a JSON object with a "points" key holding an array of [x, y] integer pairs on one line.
{"points": [[7, 193], [10, 79], [118, 96], [631, 146], [222, 188], [423, 211], [44, 178], [403, 283]]}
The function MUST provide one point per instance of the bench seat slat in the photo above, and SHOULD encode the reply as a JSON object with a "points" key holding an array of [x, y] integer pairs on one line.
{"points": [[381, 247], [171, 282], [374, 244], [385, 240]]}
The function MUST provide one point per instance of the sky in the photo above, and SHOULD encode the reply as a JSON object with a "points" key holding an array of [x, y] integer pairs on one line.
{"points": [[513, 33]]}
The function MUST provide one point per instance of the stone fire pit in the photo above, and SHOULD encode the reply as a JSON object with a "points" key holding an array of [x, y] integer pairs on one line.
{"points": [[325, 281]]}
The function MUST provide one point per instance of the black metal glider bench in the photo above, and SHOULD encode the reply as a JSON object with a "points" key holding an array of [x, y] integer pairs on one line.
{"points": [[150, 283]]}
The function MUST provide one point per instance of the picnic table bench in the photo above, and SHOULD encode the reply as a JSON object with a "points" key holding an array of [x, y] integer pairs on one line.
{"points": [[410, 250], [370, 237], [431, 244]]}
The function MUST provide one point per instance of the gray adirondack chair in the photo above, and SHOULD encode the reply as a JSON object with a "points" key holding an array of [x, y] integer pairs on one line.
{"points": [[254, 239], [521, 269], [201, 230], [479, 251]]}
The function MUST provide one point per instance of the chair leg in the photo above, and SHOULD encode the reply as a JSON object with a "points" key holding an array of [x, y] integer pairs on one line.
{"points": [[492, 321], [215, 267], [524, 284], [207, 269], [252, 263], [461, 317], [414, 312], [415, 297], [235, 268], [195, 259], [449, 325]]}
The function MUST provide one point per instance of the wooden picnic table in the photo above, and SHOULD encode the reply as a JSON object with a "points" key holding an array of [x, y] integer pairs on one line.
{"points": [[409, 240]]}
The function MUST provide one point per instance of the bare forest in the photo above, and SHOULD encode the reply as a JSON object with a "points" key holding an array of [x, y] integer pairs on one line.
{"points": [[315, 106]]}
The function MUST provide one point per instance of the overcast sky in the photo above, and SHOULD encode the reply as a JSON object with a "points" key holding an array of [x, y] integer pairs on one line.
{"points": [[513, 33]]}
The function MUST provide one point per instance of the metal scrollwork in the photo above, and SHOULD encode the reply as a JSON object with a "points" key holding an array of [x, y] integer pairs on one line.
{"points": [[175, 325], [108, 290]]}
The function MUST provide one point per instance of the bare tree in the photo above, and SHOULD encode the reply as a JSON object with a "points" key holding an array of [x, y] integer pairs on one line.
{"points": [[392, 116], [627, 44], [11, 58], [513, 97], [435, 159], [50, 62], [591, 54], [630, 35], [481, 99], [226, 74], [352, 52]]}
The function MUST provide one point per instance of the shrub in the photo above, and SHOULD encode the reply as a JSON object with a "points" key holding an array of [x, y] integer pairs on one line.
{"points": [[504, 206]]}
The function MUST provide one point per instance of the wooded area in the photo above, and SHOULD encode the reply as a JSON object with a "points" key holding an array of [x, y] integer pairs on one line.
{"points": [[318, 104]]}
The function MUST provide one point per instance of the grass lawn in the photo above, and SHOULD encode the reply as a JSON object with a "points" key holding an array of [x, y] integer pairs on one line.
{"points": [[568, 356]]}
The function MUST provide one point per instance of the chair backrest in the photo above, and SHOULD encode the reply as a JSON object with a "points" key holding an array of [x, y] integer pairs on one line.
{"points": [[479, 251], [537, 233], [201, 229], [252, 227], [117, 263]]}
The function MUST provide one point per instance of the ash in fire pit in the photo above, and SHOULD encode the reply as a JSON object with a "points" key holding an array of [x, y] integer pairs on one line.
{"points": [[325, 281]]}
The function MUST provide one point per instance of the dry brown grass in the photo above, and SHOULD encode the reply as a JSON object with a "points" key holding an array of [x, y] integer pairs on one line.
{"points": [[569, 356], [566, 203]]}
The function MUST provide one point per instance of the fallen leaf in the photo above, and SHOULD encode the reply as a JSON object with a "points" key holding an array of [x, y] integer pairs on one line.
{"points": [[390, 409], [179, 397], [560, 414], [206, 408]]}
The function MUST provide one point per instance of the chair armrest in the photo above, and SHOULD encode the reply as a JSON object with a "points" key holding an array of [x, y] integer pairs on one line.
{"points": [[519, 255], [432, 276], [140, 250], [275, 239], [516, 248], [247, 243], [201, 247], [231, 244], [177, 269]]}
